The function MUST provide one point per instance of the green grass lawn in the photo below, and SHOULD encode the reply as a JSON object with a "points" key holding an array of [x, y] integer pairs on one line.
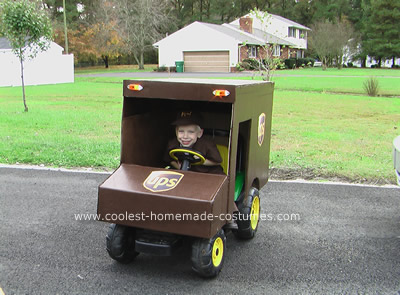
{"points": [[351, 85], [334, 135], [363, 72], [68, 125]]}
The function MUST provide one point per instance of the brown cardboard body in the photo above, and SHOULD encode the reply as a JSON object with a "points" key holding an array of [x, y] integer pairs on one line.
{"points": [[193, 207], [206, 199]]}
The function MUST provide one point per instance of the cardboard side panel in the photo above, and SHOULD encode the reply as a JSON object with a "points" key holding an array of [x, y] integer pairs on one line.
{"points": [[249, 99]]}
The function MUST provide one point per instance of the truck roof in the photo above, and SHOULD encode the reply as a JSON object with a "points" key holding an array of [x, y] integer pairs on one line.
{"points": [[209, 81]]}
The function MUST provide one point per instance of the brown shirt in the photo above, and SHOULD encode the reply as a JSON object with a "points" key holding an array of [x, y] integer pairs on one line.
{"points": [[207, 148]]}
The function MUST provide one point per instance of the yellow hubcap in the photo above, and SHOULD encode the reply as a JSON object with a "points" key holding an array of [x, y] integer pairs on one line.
{"points": [[255, 212], [217, 252]]}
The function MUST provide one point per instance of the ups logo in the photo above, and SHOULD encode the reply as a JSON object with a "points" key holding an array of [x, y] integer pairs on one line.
{"points": [[161, 181], [261, 129]]}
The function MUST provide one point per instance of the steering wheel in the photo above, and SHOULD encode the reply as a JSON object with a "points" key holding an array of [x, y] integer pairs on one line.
{"points": [[187, 156]]}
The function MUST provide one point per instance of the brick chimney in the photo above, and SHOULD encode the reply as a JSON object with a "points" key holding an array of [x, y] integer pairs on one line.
{"points": [[246, 24]]}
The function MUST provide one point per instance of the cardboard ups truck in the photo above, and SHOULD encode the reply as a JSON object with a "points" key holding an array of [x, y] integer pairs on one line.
{"points": [[153, 209]]}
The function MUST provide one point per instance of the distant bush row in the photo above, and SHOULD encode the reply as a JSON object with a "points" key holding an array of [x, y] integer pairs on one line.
{"points": [[251, 64], [292, 63]]}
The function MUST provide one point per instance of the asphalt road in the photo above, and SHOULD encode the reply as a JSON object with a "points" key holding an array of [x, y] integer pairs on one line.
{"points": [[342, 240], [208, 75]]}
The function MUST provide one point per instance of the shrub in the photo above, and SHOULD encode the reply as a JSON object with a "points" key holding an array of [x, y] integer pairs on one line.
{"points": [[250, 64], [371, 86], [281, 66], [161, 69], [290, 63], [239, 67]]}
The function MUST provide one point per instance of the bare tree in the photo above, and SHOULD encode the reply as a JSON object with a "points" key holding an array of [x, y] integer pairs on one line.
{"points": [[267, 61], [139, 24], [343, 33], [329, 41]]}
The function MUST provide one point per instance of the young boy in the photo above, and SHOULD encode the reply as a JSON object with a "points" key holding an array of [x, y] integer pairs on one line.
{"points": [[189, 135]]}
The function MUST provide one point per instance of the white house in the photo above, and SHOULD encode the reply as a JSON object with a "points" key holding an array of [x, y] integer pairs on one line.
{"points": [[350, 56], [48, 67], [208, 47]]}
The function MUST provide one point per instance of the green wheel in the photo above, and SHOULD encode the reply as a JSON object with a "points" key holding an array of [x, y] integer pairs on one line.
{"points": [[249, 215], [208, 255], [120, 242]]}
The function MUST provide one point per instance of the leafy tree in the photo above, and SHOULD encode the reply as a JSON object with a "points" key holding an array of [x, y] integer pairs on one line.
{"points": [[382, 34], [80, 43], [225, 11], [104, 37], [73, 13], [105, 41], [284, 8], [28, 29], [178, 12], [358, 16], [303, 12]]}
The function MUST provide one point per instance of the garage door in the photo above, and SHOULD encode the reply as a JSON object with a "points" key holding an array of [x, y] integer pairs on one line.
{"points": [[206, 61]]}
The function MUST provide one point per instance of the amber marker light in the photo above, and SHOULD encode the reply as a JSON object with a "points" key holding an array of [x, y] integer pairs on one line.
{"points": [[135, 87], [221, 93]]}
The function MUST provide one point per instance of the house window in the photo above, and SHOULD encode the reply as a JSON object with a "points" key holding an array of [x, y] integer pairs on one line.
{"points": [[277, 50], [300, 54], [252, 52], [303, 34], [292, 32]]}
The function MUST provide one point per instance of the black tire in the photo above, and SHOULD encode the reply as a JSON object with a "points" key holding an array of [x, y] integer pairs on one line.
{"points": [[120, 242], [249, 216], [208, 255]]}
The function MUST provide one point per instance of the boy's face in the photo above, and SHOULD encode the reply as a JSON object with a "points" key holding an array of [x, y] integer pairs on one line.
{"points": [[188, 135]]}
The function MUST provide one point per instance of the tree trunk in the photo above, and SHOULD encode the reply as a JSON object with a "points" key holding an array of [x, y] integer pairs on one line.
{"points": [[141, 64], [201, 10], [364, 62], [137, 59], [339, 62], [22, 82], [324, 63], [105, 59]]}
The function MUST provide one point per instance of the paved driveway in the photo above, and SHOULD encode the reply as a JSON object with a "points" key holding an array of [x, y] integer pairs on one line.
{"points": [[320, 239]]}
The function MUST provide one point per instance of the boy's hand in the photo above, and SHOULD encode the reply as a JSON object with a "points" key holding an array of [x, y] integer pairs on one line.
{"points": [[210, 163], [176, 164]]}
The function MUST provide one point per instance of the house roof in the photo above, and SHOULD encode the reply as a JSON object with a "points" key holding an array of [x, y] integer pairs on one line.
{"points": [[240, 36], [258, 37], [264, 37], [6, 45], [290, 22], [281, 18]]}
